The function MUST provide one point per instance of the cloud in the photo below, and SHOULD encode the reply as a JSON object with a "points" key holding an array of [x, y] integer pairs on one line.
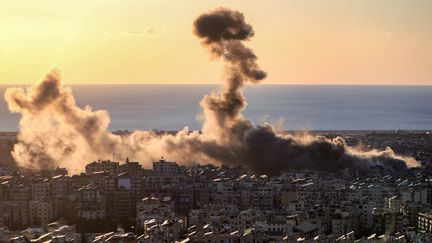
{"points": [[141, 31]]}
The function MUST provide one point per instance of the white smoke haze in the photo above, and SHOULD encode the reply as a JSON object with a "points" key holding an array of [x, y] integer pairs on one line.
{"points": [[55, 132]]}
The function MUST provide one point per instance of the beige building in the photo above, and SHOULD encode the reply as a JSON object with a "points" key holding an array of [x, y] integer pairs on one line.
{"points": [[425, 221], [41, 212]]}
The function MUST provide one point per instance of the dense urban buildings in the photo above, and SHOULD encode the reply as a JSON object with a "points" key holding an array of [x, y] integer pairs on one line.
{"points": [[122, 202]]}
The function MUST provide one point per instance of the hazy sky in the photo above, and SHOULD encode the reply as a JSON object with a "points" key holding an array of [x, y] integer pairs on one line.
{"points": [[151, 41]]}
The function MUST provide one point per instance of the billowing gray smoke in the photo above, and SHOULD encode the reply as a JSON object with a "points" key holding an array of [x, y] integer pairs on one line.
{"points": [[262, 148], [55, 132]]}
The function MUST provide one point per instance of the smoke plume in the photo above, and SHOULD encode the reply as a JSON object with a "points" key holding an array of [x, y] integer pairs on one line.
{"points": [[54, 131]]}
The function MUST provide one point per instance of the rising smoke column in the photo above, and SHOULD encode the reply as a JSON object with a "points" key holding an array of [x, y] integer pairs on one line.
{"points": [[223, 31], [55, 132], [262, 148]]}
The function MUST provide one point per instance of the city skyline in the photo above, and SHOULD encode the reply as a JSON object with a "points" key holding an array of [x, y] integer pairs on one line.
{"points": [[300, 42], [112, 145]]}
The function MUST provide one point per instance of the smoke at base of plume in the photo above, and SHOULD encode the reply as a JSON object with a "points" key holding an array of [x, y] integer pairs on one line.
{"points": [[55, 132]]}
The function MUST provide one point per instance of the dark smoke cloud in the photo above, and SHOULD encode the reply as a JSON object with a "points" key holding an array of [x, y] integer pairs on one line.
{"points": [[54, 131], [262, 148], [223, 31], [269, 152], [222, 25]]}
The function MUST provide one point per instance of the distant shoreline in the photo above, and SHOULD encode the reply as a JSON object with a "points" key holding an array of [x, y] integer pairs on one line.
{"points": [[285, 131], [219, 84]]}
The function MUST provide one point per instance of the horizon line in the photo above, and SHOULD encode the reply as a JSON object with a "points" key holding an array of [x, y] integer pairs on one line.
{"points": [[247, 83], [284, 130]]}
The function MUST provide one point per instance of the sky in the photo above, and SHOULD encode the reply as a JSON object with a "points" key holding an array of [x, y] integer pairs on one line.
{"points": [[151, 41]]}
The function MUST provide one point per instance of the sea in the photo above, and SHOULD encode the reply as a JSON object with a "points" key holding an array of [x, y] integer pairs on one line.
{"points": [[292, 107]]}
